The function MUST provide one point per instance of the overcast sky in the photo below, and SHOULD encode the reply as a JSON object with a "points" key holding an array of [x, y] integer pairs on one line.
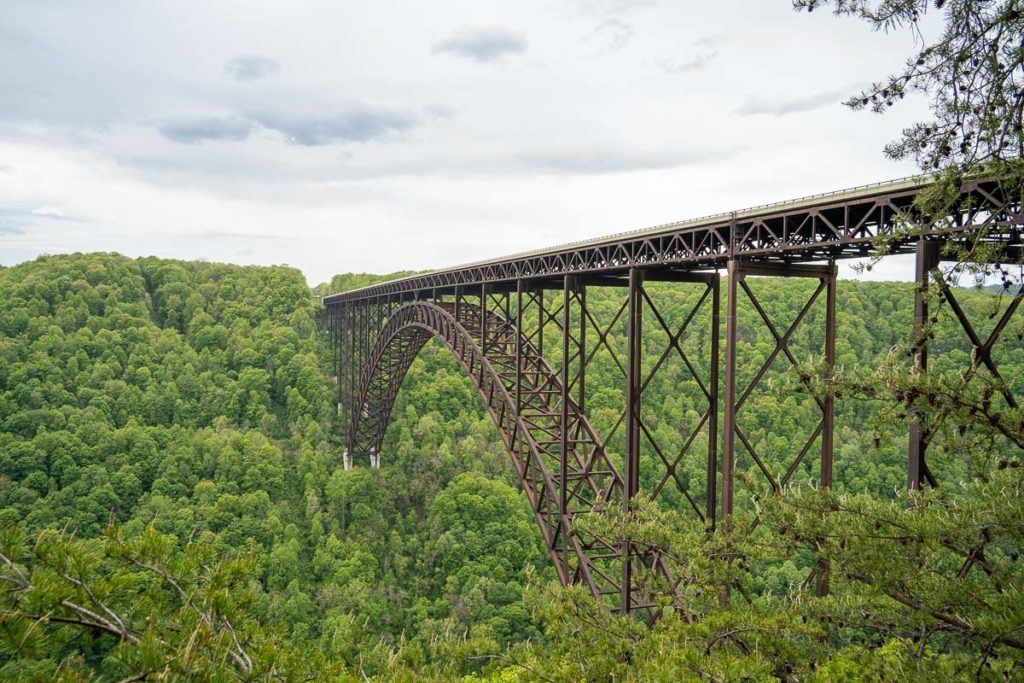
{"points": [[384, 135]]}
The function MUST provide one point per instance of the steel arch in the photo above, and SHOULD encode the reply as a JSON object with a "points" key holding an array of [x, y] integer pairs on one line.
{"points": [[557, 491]]}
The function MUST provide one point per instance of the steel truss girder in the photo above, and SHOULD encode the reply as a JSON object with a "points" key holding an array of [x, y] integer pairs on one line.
{"points": [[829, 227]]}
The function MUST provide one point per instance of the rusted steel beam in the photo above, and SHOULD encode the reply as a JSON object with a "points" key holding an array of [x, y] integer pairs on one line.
{"points": [[563, 420], [829, 414], [735, 272], [483, 317], [519, 347], [927, 260], [631, 468], [581, 377], [713, 399]]}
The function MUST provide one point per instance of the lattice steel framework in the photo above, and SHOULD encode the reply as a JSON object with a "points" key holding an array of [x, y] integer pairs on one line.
{"points": [[498, 318]]}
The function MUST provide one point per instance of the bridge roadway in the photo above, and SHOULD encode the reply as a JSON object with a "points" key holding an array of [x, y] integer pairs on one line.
{"points": [[495, 317], [841, 224]]}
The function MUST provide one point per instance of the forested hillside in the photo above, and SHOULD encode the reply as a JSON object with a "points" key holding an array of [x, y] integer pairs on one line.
{"points": [[170, 463], [190, 397]]}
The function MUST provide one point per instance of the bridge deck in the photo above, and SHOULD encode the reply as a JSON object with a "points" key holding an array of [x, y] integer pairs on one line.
{"points": [[841, 224]]}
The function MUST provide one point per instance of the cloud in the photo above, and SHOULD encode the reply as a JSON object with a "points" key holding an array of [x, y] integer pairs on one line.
{"points": [[755, 106], [597, 161], [355, 123], [358, 123], [612, 6], [694, 64], [711, 40], [223, 234], [49, 212], [707, 55], [251, 67], [612, 35], [482, 43], [192, 131]]}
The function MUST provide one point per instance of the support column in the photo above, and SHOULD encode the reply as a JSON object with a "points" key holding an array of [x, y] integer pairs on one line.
{"points": [[631, 467], [540, 321], [829, 412], [351, 365], [581, 380], [735, 272], [563, 423], [927, 260], [483, 319], [712, 470], [339, 357], [519, 347]]}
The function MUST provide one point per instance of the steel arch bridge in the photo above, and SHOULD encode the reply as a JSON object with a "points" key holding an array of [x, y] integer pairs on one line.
{"points": [[523, 331]]}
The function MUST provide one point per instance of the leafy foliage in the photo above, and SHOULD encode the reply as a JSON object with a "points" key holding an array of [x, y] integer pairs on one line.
{"points": [[181, 409], [168, 451]]}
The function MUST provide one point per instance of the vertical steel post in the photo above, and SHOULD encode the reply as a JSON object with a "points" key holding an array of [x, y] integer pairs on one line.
{"points": [[338, 341], [563, 422], [631, 467], [735, 272], [458, 304], [829, 417], [581, 295], [330, 313], [339, 351], [712, 471], [508, 306], [927, 259], [352, 364], [367, 326], [355, 364], [540, 320], [483, 319], [343, 390], [519, 347]]}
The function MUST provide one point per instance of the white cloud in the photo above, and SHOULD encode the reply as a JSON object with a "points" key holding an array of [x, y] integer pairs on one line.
{"points": [[790, 105], [611, 35], [251, 67], [48, 211], [482, 43], [694, 63], [203, 129]]}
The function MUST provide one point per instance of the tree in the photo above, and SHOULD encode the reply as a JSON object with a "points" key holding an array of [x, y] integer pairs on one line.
{"points": [[152, 610], [973, 75]]}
